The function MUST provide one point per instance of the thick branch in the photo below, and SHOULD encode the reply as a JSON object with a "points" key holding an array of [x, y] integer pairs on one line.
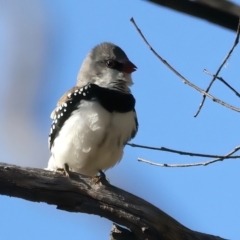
{"points": [[80, 194], [119, 233]]}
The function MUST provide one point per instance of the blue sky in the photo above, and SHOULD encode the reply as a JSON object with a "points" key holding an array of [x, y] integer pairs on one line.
{"points": [[43, 45]]}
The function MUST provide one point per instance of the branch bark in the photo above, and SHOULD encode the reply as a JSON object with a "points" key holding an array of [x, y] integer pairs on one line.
{"points": [[80, 193]]}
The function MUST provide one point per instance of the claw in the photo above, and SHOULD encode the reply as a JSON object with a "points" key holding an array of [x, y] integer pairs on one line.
{"points": [[101, 177], [65, 170]]}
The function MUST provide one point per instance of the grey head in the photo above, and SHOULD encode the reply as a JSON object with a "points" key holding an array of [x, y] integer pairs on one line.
{"points": [[108, 66]]}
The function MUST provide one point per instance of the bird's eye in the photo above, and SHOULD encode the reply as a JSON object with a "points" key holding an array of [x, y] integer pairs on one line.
{"points": [[110, 64]]}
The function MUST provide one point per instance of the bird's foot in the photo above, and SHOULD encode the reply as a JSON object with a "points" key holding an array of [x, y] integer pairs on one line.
{"points": [[101, 177], [65, 170]]}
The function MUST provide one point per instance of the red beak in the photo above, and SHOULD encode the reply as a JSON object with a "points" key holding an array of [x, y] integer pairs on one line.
{"points": [[129, 67]]}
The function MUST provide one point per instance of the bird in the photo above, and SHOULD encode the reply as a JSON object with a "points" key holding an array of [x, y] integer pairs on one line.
{"points": [[95, 119]]}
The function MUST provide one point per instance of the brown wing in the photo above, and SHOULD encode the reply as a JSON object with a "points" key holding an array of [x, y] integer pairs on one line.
{"points": [[66, 105], [62, 100]]}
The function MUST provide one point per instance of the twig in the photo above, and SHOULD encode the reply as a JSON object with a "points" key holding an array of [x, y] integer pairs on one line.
{"points": [[219, 69], [188, 153], [227, 156], [179, 75], [223, 81]]}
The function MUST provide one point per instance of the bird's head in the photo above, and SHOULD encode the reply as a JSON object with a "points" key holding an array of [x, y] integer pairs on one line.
{"points": [[108, 66]]}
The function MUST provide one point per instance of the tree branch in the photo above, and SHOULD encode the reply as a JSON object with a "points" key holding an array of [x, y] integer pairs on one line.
{"points": [[80, 194], [181, 76], [119, 233], [223, 81], [217, 159], [192, 154], [219, 69]]}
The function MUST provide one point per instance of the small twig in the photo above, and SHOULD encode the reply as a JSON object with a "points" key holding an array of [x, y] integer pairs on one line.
{"points": [[227, 156], [186, 153], [179, 75], [223, 81], [219, 69]]}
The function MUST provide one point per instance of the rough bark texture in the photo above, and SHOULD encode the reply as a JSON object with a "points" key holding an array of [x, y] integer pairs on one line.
{"points": [[81, 194], [119, 233], [221, 12]]}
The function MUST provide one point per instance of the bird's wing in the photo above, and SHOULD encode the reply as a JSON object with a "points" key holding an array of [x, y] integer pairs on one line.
{"points": [[66, 105], [62, 100], [134, 132], [111, 100]]}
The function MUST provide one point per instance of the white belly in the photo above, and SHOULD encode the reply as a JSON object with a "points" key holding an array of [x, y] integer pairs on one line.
{"points": [[92, 139]]}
